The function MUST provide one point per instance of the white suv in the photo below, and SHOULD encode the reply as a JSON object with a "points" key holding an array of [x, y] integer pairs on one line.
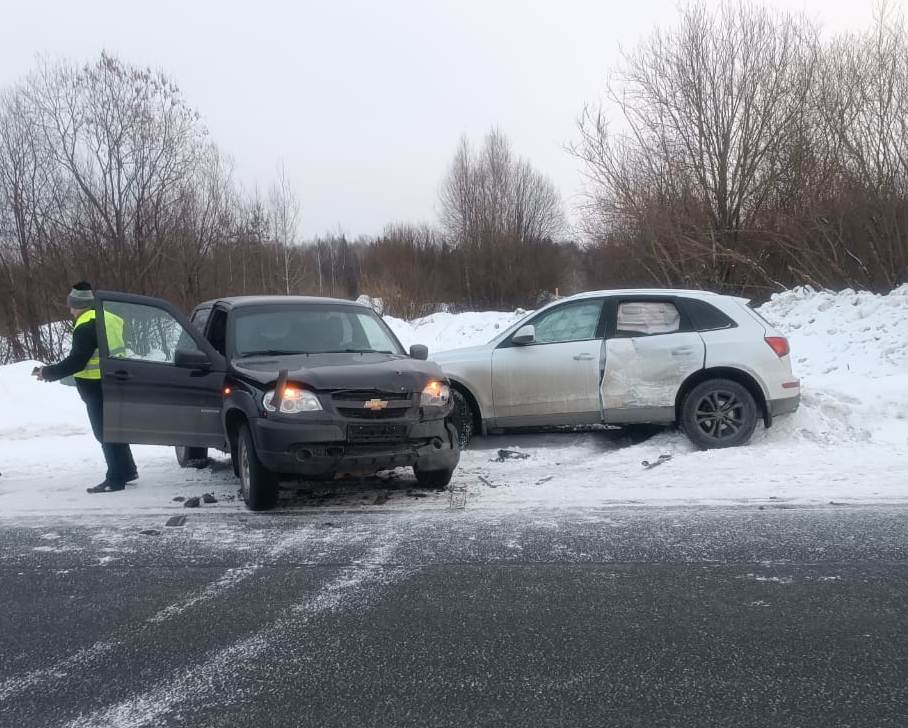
{"points": [[704, 361]]}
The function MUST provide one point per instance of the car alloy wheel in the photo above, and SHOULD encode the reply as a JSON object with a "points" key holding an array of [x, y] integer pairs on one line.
{"points": [[720, 415]]}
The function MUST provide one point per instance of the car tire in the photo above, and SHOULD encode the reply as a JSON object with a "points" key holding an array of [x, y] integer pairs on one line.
{"points": [[258, 485], [719, 413], [192, 457], [433, 479], [462, 417]]}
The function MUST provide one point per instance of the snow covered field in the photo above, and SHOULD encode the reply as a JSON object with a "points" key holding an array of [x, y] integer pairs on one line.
{"points": [[847, 444]]}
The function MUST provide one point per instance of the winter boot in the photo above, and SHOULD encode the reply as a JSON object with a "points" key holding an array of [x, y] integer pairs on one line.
{"points": [[108, 486]]}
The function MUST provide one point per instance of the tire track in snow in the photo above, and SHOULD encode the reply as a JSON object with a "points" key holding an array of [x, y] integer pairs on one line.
{"points": [[88, 656], [220, 666]]}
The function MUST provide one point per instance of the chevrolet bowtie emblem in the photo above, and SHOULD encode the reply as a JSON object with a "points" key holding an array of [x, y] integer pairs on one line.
{"points": [[375, 404]]}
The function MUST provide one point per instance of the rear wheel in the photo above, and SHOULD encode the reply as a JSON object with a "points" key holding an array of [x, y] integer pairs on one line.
{"points": [[192, 457], [462, 417], [719, 413], [434, 479], [258, 485]]}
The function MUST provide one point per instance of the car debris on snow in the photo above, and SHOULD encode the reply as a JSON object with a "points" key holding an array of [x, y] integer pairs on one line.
{"points": [[510, 455], [209, 498], [458, 498], [192, 502], [658, 461]]}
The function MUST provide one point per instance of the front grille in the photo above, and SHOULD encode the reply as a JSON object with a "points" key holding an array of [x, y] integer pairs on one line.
{"points": [[367, 414], [352, 403], [364, 395]]}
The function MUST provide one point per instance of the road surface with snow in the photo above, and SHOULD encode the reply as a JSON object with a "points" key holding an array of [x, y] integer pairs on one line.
{"points": [[626, 616]]}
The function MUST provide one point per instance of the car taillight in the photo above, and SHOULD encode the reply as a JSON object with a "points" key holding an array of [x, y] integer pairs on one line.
{"points": [[779, 344]]}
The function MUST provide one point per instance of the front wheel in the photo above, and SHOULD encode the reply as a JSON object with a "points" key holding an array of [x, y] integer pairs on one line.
{"points": [[257, 484], [719, 413], [192, 457], [462, 417], [433, 479]]}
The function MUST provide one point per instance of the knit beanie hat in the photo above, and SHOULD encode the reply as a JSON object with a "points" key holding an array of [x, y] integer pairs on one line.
{"points": [[81, 296]]}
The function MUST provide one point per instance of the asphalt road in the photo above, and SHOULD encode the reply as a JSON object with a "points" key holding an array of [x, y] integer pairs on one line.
{"points": [[624, 617]]}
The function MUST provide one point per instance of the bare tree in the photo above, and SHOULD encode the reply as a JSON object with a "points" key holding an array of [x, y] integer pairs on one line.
{"points": [[285, 210], [709, 111], [495, 208], [129, 142]]}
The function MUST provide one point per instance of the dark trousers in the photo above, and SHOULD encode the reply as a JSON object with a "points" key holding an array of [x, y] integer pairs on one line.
{"points": [[120, 465]]}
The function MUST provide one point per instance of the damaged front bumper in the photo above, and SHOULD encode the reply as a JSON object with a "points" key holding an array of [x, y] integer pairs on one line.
{"points": [[325, 451]]}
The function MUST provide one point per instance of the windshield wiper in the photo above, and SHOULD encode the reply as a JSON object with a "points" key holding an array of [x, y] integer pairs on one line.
{"points": [[272, 352], [355, 351]]}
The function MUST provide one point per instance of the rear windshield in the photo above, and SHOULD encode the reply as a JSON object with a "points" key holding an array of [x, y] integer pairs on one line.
{"points": [[311, 330]]}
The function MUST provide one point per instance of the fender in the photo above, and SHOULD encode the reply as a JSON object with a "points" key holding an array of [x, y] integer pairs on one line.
{"points": [[458, 383]]}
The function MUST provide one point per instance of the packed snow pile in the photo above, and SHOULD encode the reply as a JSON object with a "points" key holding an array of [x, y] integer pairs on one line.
{"points": [[443, 331], [847, 333], [847, 443]]}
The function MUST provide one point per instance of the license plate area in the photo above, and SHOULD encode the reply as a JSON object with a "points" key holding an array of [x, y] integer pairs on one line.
{"points": [[376, 433]]}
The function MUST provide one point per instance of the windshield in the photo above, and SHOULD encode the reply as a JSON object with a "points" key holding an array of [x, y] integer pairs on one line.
{"points": [[316, 329]]}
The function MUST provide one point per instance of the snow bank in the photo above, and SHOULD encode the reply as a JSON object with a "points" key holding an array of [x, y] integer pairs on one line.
{"points": [[442, 331], [846, 333], [29, 408], [847, 443]]}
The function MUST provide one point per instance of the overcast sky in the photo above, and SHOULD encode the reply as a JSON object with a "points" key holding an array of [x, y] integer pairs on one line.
{"points": [[364, 102]]}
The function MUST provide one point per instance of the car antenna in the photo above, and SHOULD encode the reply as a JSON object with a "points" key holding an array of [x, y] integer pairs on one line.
{"points": [[279, 390]]}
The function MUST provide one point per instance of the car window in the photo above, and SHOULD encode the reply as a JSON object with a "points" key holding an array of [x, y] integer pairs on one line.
{"points": [[144, 333], [571, 322], [311, 330], [217, 330], [706, 317], [373, 337], [647, 318], [200, 318]]}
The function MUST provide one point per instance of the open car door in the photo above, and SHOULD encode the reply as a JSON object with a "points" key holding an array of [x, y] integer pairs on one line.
{"points": [[162, 381]]}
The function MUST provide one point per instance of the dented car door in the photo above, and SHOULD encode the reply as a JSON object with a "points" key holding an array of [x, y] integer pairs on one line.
{"points": [[649, 351]]}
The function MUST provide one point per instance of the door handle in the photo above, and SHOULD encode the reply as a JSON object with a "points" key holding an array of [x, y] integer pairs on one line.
{"points": [[583, 357], [682, 350], [121, 375]]}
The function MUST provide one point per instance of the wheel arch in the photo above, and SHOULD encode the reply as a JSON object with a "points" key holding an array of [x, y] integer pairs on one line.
{"points": [[234, 419], [740, 376], [472, 400]]}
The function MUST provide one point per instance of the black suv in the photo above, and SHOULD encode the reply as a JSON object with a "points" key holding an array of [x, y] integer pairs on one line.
{"points": [[311, 387]]}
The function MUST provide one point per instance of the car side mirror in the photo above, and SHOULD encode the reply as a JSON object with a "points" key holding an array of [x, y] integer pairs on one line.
{"points": [[524, 335], [191, 359], [419, 351]]}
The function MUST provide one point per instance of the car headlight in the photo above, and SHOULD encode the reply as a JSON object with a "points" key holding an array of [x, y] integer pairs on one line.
{"points": [[294, 401], [436, 394]]}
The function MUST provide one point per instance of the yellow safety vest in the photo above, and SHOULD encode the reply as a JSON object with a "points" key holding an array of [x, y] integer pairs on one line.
{"points": [[113, 324]]}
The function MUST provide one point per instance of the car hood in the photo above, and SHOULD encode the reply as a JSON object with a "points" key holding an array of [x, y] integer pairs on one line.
{"points": [[467, 352], [383, 372]]}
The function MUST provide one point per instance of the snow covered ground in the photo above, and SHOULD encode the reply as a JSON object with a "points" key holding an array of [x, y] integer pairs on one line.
{"points": [[847, 444]]}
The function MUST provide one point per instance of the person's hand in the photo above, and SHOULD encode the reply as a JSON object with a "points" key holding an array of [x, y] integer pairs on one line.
{"points": [[38, 373]]}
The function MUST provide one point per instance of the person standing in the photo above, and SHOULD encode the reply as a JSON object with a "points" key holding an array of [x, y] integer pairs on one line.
{"points": [[84, 364]]}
